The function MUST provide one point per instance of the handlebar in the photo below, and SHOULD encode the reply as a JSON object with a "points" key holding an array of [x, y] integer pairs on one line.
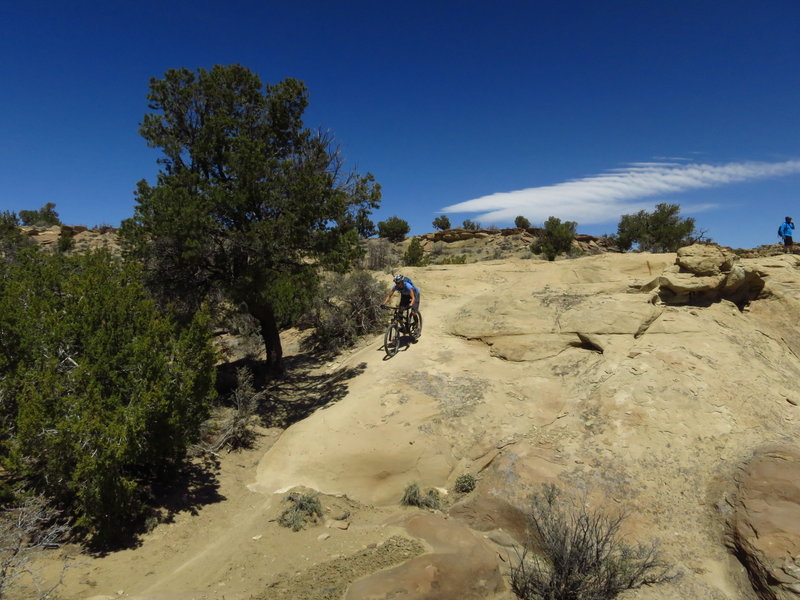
{"points": [[388, 307]]}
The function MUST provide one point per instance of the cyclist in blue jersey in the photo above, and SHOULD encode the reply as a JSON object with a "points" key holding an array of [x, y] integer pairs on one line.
{"points": [[409, 294]]}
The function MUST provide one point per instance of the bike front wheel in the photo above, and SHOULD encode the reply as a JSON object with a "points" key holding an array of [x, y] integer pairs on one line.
{"points": [[391, 340], [415, 325]]}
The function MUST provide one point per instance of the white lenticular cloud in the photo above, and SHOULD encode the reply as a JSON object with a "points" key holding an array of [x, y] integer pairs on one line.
{"points": [[605, 197]]}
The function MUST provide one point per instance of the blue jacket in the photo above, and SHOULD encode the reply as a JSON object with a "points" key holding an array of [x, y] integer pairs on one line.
{"points": [[787, 229], [405, 288]]}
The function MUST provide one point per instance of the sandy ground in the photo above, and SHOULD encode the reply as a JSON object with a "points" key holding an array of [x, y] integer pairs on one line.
{"points": [[231, 547], [650, 419]]}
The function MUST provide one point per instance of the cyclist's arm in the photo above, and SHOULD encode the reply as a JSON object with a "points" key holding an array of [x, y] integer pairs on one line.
{"points": [[413, 297], [389, 296]]}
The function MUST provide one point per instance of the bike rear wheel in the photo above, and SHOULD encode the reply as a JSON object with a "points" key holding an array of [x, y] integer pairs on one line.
{"points": [[391, 340]]}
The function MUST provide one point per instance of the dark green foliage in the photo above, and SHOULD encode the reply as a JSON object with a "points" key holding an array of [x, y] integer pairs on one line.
{"points": [[412, 496], [470, 225], [461, 259], [12, 240], [44, 217], [393, 229], [522, 222], [65, 241], [302, 509], [556, 237], [662, 230], [249, 204], [414, 255], [100, 392], [465, 483], [347, 308], [577, 554], [441, 223]]}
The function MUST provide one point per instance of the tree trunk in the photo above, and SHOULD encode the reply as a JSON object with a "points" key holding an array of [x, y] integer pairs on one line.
{"points": [[265, 316]]}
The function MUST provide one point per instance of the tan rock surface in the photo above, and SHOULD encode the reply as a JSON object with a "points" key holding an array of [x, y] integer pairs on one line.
{"points": [[527, 372], [765, 524]]}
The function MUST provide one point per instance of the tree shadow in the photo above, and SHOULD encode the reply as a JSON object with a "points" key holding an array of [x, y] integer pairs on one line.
{"points": [[193, 485], [304, 387]]}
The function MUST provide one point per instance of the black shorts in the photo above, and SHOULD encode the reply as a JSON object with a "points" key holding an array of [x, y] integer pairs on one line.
{"points": [[406, 300], [787, 240]]}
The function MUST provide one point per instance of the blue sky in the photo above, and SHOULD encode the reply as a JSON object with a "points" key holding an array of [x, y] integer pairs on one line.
{"points": [[583, 110]]}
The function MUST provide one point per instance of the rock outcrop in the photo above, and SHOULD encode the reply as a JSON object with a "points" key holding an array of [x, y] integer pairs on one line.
{"points": [[707, 273], [764, 528]]}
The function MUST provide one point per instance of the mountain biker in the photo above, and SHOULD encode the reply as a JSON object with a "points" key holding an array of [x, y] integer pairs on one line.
{"points": [[409, 294]]}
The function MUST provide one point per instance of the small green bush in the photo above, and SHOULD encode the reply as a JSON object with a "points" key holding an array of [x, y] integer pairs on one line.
{"points": [[461, 259], [12, 240], [441, 222], [412, 496], [522, 222], [302, 509], [414, 255], [65, 239], [556, 237], [470, 225], [465, 483], [44, 217], [394, 229]]}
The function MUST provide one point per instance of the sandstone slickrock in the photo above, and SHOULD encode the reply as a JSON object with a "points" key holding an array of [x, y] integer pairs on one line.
{"points": [[764, 528]]}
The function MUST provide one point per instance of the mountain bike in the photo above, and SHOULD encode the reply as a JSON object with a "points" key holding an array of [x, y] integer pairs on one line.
{"points": [[403, 321]]}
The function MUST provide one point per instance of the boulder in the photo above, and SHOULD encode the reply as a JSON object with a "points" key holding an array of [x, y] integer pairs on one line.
{"points": [[704, 274], [764, 527], [705, 259]]}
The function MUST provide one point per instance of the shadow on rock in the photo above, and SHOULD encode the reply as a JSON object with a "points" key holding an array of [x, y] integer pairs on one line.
{"points": [[304, 389]]}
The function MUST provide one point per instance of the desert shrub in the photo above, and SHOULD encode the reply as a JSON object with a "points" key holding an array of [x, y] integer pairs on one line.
{"points": [[302, 509], [414, 255], [470, 225], [461, 259], [26, 530], [235, 430], [522, 222], [413, 496], [578, 554], [556, 237], [662, 230], [465, 483], [65, 239], [441, 222], [12, 240], [347, 308], [102, 393], [394, 229], [44, 217], [379, 255]]}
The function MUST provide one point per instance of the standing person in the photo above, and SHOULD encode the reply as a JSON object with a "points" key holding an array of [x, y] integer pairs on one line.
{"points": [[786, 231], [409, 295]]}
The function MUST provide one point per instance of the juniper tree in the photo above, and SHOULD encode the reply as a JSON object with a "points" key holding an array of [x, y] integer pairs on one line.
{"points": [[248, 203]]}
